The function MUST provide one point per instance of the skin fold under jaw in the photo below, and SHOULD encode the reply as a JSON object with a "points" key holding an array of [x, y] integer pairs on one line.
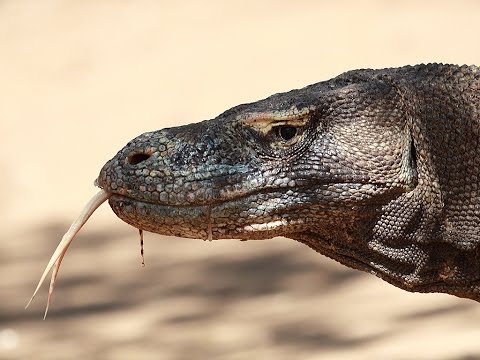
{"points": [[365, 168]]}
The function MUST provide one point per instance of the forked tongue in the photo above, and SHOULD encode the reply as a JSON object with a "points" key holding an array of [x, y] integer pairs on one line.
{"points": [[67, 239]]}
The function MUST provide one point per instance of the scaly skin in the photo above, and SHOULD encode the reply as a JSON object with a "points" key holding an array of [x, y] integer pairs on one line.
{"points": [[377, 169]]}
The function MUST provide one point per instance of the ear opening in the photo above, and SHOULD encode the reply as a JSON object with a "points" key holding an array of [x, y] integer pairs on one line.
{"points": [[409, 172], [413, 155]]}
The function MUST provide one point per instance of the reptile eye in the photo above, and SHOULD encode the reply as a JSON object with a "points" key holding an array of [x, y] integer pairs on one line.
{"points": [[287, 132]]}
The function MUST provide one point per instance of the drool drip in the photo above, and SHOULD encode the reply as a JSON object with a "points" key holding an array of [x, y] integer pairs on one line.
{"points": [[209, 223], [140, 232]]}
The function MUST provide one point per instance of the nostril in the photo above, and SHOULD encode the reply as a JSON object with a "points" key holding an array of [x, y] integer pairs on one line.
{"points": [[135, 159]]}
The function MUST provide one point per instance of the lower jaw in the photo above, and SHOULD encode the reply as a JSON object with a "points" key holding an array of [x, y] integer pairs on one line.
{"points": [[238, 218], [200, 222]]}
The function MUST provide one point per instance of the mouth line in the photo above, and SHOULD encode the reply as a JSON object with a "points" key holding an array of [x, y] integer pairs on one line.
{"points": [[216, 202]]}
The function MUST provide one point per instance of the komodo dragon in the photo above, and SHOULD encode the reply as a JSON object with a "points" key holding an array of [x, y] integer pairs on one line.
{"points": [[377, 169]]}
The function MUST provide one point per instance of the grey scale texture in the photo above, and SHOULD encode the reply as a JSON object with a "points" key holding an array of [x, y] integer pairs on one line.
{"points": [[377, 169]]}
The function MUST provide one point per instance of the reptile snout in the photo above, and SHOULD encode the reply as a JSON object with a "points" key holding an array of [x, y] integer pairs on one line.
{"points": [[176, 166], [133, 166]]}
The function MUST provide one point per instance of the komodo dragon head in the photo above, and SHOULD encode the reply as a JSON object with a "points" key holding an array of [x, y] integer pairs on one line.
{"points": [[357, 167], [321, 160]]}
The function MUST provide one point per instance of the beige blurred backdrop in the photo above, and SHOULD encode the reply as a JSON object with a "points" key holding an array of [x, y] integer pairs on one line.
{"points": [[78, 79]]}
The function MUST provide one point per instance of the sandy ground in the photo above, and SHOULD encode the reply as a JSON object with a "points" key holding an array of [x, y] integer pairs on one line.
{"points": [[78, 79]]}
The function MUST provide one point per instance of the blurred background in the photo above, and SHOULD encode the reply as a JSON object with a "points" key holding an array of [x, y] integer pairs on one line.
{"points": [[78, 79]]}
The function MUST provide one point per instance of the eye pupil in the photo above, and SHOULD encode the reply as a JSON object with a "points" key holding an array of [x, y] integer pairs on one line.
{"points": [[287, 132]]}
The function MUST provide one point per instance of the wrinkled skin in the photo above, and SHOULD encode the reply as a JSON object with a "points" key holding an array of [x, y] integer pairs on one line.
{"points": [[377, 169]]}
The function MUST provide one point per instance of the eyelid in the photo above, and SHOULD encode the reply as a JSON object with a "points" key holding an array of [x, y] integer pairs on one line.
{"points": [[265, 122], [291, 114]]}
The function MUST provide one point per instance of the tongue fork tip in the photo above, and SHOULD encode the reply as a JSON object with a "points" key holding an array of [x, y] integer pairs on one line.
{"points": [[57, 257]]}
